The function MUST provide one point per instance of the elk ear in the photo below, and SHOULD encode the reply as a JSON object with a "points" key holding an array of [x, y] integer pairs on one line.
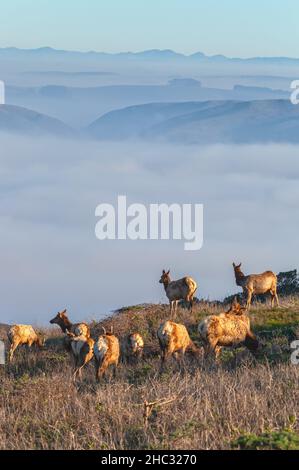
{"points": [[64, 311], [234, 265], [168, 271], [240, 265]]}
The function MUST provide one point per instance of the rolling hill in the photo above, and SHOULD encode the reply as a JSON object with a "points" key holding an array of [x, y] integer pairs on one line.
{"points": [[20, 120], [203, 122]]}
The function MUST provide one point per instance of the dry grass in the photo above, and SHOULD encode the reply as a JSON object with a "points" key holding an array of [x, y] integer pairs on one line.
{"points": [[42, 408]]}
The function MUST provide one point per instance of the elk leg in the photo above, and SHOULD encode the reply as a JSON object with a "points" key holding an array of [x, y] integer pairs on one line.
{"points": [[115, 369], [176, 307], [277, 300], [83, 361], [97, 367], [274, 298], [176, 357], [217, 351], [171, 307], [164, 356], [13, 347], [214, 348], [182, 356], [249, 297], [207, 351], [104, 366], [100, 371]]}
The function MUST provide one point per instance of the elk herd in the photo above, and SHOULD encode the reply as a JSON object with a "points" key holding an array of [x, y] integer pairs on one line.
{"points": [[228, 329]]}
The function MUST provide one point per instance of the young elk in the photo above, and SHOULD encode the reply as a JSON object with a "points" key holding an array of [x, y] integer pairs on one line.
{"points": [[174, 339], [82, 349], [257, 284], [23, 334], [227, 329], [132, 347], [106, 353], [183, 289], [79, 329]]}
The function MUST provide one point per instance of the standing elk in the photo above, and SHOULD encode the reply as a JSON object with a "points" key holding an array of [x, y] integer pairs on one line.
{"points": [[132, 347], [227, 329], [106, 353], [174, 339], [183, 289], [23, 334], [257, 284], [62, 320], [82, 349]]}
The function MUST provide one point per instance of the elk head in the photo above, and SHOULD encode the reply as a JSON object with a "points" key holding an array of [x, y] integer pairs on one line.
{"points": [[61, 320], [238, 272], [236, 308], [165, 278]]}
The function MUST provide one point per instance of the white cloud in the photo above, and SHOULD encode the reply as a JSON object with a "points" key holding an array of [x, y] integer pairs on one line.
{"points": [[51, 259]]}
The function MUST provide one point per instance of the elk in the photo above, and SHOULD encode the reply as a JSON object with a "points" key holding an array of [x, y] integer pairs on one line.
{"points": [[183, 289], [23, 334], [174, 339], [257, 284], [227, 329], [82, 349], [132, 347], [106, 353], [62, 320]]}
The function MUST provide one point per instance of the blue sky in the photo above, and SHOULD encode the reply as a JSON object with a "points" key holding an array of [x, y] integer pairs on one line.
{"points": [[261, 27]]}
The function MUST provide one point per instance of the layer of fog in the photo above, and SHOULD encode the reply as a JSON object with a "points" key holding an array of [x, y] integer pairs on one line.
{"points": [[51, 259]]}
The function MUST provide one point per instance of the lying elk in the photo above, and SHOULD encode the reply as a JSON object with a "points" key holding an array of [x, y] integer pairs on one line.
{"points": [[183, 289], [257, 284], [62, 320], [174, 339], [132, 347], [23, 334], [82, 349], [106, 353], [227, 329]]}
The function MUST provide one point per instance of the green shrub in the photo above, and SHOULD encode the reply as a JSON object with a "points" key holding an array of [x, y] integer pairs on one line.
{"points": [[272, 440]]}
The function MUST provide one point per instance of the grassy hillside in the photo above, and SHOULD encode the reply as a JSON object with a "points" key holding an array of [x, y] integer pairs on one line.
{"points": [[244, 402]]}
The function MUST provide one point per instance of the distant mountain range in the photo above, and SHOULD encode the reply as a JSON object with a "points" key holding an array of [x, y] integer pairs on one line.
{"points": [[202, 122], [151, 55], [19, 120]]}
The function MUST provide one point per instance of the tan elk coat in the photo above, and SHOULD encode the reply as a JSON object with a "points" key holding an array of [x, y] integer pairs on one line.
{"points": [[106, 353], [182, 289], [257, 284], [174, 339], [227, 329], [23, 334], [132, 347]]}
